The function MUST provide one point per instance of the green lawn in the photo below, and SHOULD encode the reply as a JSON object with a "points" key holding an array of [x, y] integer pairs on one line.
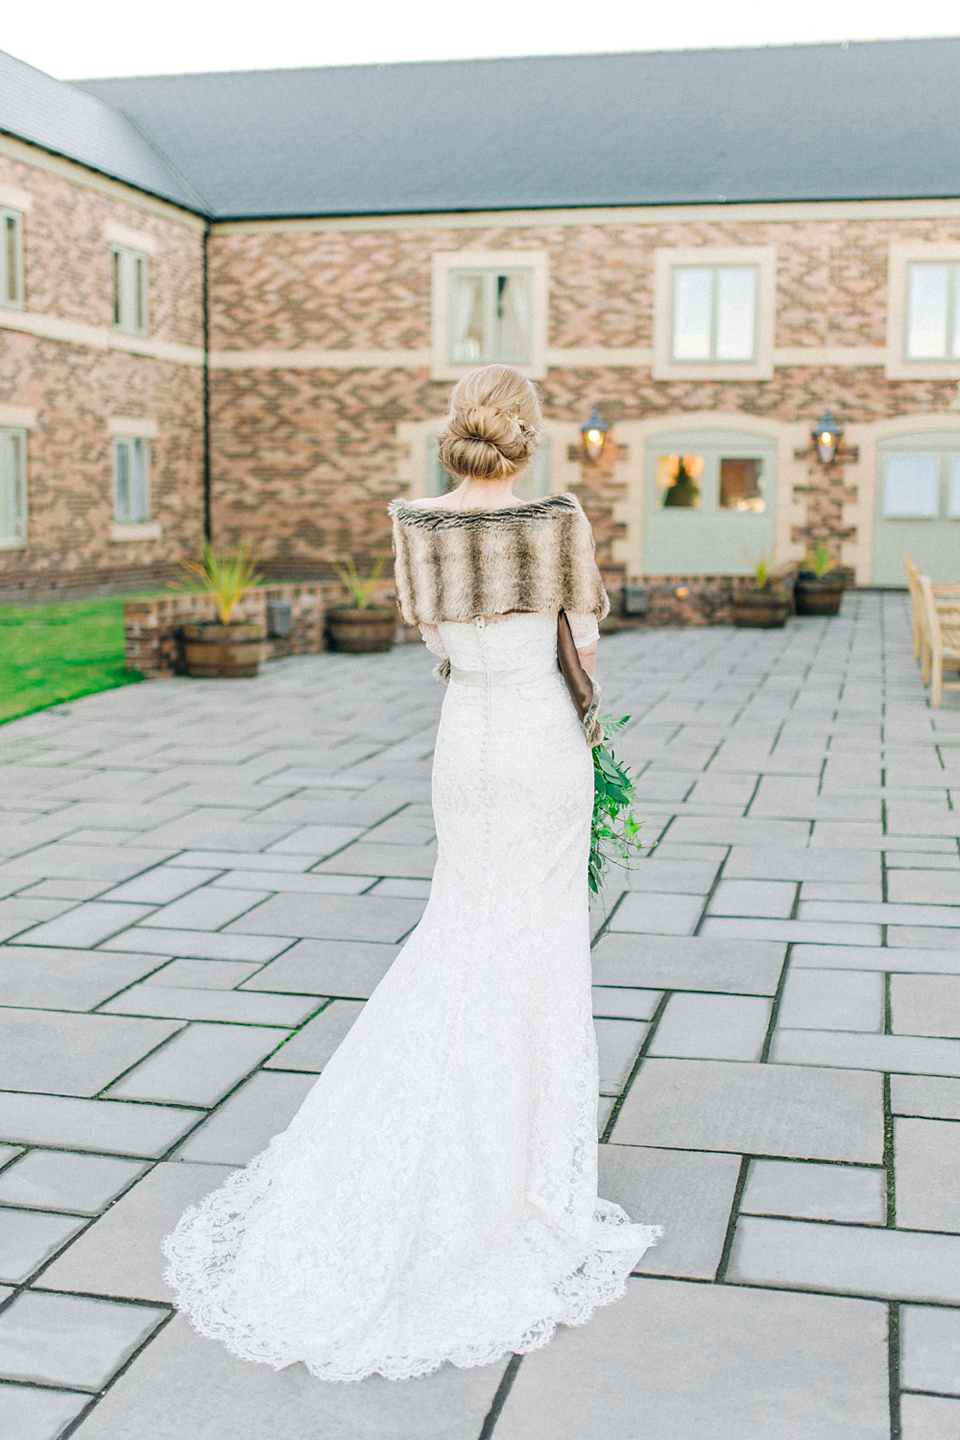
{"points": [[58, 652]]}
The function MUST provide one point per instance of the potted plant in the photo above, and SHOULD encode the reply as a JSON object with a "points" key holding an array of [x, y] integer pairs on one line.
{"points": [[760, 606], [223, 649], [361, 628], [818, 588]]}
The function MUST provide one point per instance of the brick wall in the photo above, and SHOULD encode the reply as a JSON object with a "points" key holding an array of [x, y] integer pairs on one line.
{"points": [[152, 625], [75, 388]]}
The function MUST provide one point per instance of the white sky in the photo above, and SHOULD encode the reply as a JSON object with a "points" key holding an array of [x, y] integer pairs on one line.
{"points": [[91, 38]]}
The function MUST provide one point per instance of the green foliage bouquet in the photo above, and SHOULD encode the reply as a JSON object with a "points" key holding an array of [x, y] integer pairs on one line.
{"points": [[614, 831]]}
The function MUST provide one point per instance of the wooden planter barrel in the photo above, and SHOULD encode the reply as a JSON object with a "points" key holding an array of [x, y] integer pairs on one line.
{"points": [[222, 652], [362, 632], [817, 597], [760, 609]]}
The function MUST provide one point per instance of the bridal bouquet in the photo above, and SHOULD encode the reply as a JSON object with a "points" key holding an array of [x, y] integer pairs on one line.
{"points": [[614, 831]]}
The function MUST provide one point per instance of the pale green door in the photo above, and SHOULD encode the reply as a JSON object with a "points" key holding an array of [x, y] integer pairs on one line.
{"points": [[918, 507], [709, 502]]}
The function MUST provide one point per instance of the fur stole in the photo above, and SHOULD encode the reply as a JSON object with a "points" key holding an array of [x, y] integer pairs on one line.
{"points": [[457, 564]]}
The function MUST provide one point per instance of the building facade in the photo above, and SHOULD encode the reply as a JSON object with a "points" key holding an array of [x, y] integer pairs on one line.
{"points": [[168, 363]]}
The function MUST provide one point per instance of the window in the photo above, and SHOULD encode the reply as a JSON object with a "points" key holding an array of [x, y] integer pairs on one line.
{"points": [[532, 484], [13, 489], [11, 259], [131, 480], [933, 312], [739, 481], [129, 290], [714, 313], [490, 316], [921, 487]]}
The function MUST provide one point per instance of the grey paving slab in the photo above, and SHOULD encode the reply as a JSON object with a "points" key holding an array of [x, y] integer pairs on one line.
{"points": [[618, 1042], [404, 889], [690, 1194], [648, 912], [332, 917], [908, 960], [749, 967], [800, 1113], [93, 1125], [70, 1341], [203, 974], [911, 915], [232, 1006], [833, 1000], [623, 1004], [925, 1005], [927, 1167], [317, 840], [185, 1385], [675, 1360], [773, 898], [854, 1195], [28, 1238], [312, 1047], [299, 883], [200, 831], [160, 886], [327, 967], [59, 889], [846, 1259], [713, 1027], [199, 944], [9, 1153], [120, 1255], [205, 909], [239, 860], [693, 877], [28, 1413], [81, 862], [930, 1349], [930, 937], [925, 1096], [70, 1054], [413, 861], [247, 1122], [85, 925], [66, 979], [926, 887], [740, 831], [904, 1054], [811, 932], [60, 1180], [929, 1417], [198, 1066], [843, 891], [23, 912]]}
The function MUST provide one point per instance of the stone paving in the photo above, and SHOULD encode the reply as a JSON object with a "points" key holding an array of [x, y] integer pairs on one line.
{"points": [[204, 882]]}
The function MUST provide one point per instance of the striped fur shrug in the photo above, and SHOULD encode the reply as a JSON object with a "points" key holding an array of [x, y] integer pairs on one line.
{"points": [[457, 564]]}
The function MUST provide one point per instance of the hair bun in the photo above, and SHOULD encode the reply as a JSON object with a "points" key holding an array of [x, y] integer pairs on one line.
{"points": [[493, 426]]}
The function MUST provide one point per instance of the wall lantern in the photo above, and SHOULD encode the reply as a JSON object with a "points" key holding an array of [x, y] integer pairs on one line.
{"points": [[594, 435], [827, 434]]}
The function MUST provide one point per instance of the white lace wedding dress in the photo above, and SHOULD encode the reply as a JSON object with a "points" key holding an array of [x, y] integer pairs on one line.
{"points": [[435, 1198]]}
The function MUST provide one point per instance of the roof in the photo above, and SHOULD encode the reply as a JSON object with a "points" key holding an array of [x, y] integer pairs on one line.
{"points": [[870, 120], [70, 122]]}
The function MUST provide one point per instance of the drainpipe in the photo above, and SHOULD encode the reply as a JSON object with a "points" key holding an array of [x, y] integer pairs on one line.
{"points": [[207, 527]]}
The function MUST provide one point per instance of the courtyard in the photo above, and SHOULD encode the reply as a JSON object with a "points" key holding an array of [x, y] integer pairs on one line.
{"points": [[201, 883]]}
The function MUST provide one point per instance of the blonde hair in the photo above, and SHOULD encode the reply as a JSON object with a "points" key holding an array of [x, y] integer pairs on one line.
{"points": [[493, 425]]}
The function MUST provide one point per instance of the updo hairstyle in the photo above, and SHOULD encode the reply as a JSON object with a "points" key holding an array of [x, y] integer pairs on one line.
{"points": [[493, 426]]}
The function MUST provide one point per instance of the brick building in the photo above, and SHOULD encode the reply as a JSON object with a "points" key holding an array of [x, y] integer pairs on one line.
{"points": [[240, 300]]}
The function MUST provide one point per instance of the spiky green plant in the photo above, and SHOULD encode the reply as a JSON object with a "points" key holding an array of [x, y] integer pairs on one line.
{"points": [[225, 575], [359, 588], [614, 831], [821, 561]]}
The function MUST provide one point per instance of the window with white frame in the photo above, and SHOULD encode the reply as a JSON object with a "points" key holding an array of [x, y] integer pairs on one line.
{"points": [[131, 480], [491, 316], [11, 259], [13, 488], [130, 282], [921, 486], [933, 311], [714, 313]]}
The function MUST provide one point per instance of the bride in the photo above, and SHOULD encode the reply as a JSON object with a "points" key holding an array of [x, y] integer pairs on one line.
{"points": [[435, 1197]]}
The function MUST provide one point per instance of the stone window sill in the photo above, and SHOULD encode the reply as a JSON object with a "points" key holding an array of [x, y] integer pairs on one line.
{"points": [[141, 530]]}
